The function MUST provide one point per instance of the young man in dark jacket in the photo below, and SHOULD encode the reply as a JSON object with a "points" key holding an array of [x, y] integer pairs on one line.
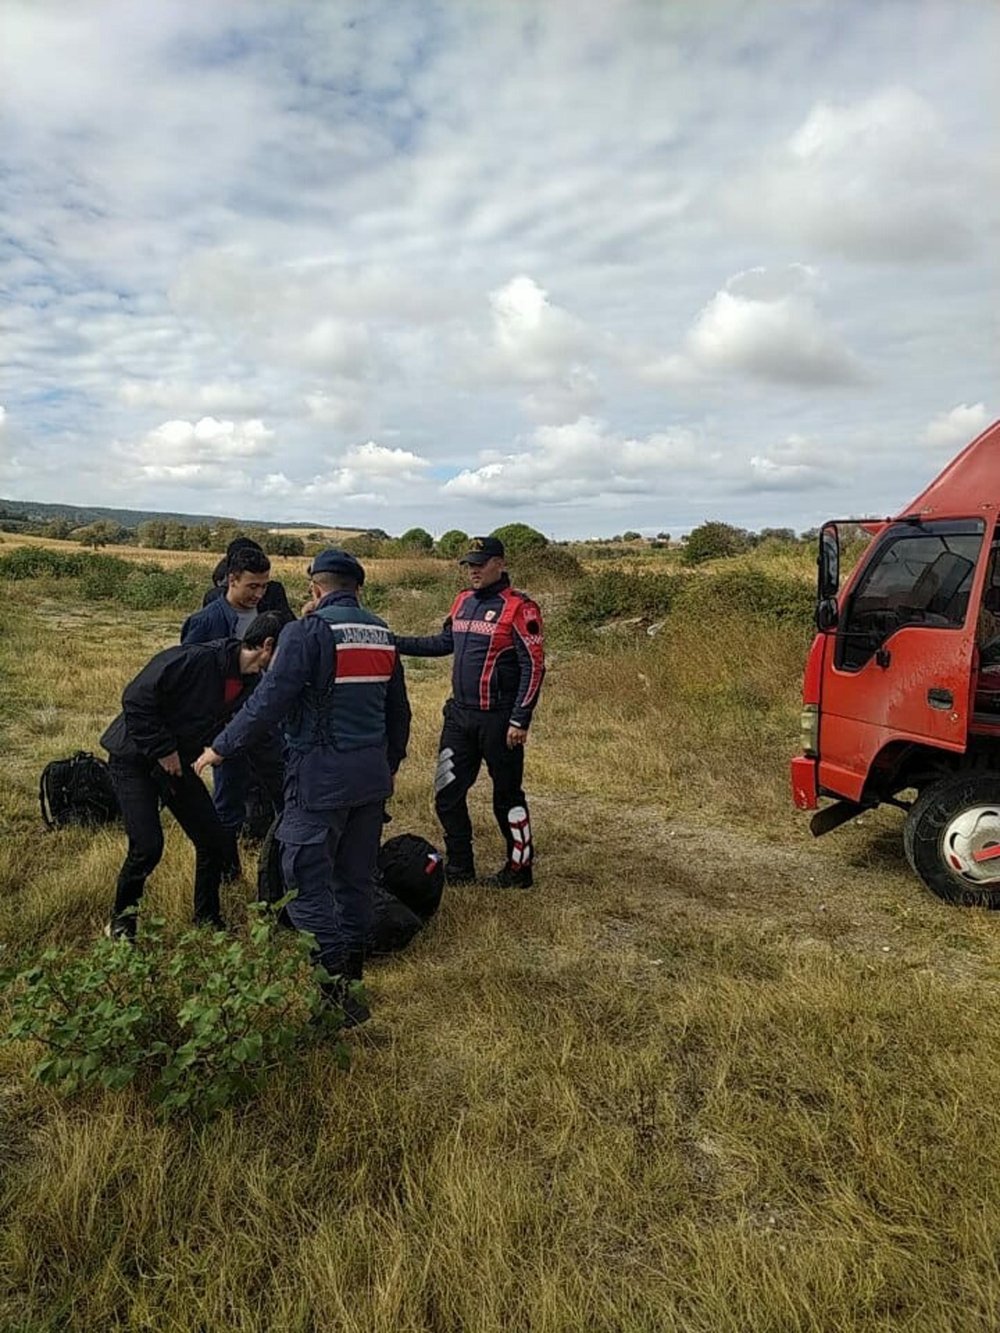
{"points": [[172, 708], [229, 617], [337, 683], [274, 599], [496, 636]]}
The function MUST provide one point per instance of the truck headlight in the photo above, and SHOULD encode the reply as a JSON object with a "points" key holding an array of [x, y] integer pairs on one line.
{"points": [[809, 726]]}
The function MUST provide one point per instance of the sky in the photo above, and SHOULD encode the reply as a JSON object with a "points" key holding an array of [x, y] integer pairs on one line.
{"points": [[587, 265]]}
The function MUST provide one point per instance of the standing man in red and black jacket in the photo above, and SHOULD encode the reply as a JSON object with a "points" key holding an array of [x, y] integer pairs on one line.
{"points": [[495, 633]]}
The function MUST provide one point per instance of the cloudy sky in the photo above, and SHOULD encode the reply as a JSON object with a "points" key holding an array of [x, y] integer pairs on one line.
{"points": [[592, 265]]}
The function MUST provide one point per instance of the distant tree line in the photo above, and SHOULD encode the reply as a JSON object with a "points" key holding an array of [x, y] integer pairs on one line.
{"points": [[709, 541]]}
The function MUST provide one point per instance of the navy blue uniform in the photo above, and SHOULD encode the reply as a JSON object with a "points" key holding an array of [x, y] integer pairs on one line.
{"points": [[497, 639], [337, 685]]}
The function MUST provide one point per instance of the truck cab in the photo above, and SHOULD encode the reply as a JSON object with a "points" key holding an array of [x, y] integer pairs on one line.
{"points": [[901, 695]]}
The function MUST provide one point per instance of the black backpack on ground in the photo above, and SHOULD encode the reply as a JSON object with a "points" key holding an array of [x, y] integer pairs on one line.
{"points": [[77, 791], [413, 871], [395, 924]]}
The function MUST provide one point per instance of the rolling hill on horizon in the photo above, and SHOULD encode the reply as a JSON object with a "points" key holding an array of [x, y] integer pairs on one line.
{"points": [[40, 512]]}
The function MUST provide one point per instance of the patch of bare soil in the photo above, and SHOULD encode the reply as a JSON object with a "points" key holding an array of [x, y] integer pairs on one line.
{"points": [[851, 892]]}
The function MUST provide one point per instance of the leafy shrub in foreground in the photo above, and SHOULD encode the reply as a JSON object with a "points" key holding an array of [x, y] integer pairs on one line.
{"points": [[103, 576], [199, 1024], [145, 590], [29, 562]]}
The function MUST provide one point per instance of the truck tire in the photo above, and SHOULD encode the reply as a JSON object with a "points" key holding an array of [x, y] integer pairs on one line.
{"points": [[951, 824]]}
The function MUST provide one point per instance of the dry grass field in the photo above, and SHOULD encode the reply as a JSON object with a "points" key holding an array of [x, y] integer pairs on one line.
{"points": [[708, 1077]]}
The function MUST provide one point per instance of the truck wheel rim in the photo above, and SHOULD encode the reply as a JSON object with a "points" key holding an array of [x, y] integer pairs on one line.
{"points": [[967, 842]]}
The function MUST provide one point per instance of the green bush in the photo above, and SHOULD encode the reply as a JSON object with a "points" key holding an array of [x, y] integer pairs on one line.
{"points": [[756, 592], [426, 575], [104, 576], [375, 596], [612, 594], [713, 540], [197, 1025], [547, 566], [30, 562], [149, 589]]}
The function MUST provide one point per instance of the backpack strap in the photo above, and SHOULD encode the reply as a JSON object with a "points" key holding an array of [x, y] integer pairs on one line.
{"points": [[43, 800]]}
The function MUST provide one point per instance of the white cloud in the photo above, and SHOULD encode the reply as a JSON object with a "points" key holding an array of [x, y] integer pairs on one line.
{"points": [[875, 179], [213, 397], [959, 426], [569, 463], [367, 472], [534, 340], [766, 324], [184, 451], [453, 229], [794, 464]]}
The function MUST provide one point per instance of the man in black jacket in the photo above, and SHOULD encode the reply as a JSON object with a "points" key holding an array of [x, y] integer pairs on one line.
{"points": [[170, 711]]}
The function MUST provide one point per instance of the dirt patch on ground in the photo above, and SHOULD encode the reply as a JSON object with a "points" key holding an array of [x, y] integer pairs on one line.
{"points": [[853, 894]]}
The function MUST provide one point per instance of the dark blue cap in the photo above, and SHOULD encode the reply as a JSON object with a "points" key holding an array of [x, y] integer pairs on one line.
{"points": [[482, 549], [338, 562]]}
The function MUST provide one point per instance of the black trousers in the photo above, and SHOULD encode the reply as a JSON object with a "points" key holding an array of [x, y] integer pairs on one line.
{"points": [[141, 786], [468, 737]]}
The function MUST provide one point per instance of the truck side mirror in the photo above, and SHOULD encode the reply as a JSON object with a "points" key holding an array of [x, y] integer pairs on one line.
{"points": [[828, 563], [827, 614]]}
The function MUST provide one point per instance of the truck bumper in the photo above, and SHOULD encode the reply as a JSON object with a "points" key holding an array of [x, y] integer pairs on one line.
{"points": [[805, 791]]}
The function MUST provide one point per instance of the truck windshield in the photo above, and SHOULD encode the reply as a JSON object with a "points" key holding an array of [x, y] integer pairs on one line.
{"points": [[919, 575]]}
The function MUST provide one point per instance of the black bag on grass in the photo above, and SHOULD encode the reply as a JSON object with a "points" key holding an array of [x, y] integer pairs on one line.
{"points": [[77, 791], [413, 871], [394, 925]]}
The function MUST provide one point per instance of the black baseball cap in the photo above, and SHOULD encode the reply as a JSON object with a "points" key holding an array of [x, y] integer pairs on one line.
{"points": [[338, 562], [482, 549]]}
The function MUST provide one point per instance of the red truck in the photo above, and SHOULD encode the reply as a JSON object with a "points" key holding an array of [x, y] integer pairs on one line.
{"points": [[901, 696]]}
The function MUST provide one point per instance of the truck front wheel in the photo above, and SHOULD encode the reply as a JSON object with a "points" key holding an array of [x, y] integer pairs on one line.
{"points": [[952, 838]]}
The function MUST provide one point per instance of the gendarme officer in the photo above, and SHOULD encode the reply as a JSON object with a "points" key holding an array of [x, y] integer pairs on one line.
{"points": [[495, 634], [337, 683]]}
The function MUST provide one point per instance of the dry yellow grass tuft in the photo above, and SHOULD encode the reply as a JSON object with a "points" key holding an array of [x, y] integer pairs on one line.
{"points": [[707, 1077]]}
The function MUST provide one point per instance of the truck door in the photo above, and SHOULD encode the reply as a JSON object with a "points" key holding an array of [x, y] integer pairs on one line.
{"points": [[903, 652]]}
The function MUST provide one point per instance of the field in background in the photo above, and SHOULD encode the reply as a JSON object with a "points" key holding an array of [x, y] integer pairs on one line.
{"points": [[709, 1076]]}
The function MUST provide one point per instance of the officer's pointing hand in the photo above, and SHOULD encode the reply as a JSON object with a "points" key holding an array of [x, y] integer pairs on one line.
{"points": [[207, 759], [516, 736]]}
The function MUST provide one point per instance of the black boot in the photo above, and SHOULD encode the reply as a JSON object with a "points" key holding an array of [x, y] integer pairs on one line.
{"points": [[511, 878], [338, 993], [459, 874]]}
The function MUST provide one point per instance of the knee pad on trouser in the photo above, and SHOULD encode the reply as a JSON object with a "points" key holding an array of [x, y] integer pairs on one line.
{"points": [[444, 774], [520, 832]]}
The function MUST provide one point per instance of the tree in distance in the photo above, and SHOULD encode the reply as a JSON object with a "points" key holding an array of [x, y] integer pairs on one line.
{"points": [[453, 543], [417, 539], [712, 540], [519, 538]]}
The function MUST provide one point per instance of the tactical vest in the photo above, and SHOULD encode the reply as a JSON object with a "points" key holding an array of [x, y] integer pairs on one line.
{"points": [[348, 711]]}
